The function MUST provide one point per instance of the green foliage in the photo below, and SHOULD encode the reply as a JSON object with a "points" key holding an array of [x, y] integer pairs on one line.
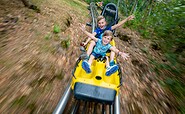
{"points": [[56, 28], [21, 101], [48, 36], [182, 109], [32, 107], [177, 87], [104, 1], [60, 74], [144, 50], [65, 43], [172, 73], [163, 22]]}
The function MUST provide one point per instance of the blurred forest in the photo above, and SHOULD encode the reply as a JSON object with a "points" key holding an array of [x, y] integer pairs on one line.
{"points": [[162, 22]]}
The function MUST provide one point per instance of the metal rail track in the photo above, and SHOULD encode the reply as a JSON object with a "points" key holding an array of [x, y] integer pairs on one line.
{"points": [[94, 15]]}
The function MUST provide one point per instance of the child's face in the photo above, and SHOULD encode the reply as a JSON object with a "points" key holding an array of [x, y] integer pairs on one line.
{"points": [[106, 40], [102, 23]]}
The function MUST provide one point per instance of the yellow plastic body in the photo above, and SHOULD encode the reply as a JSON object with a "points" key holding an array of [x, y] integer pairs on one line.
{"points": [[97, 77]]}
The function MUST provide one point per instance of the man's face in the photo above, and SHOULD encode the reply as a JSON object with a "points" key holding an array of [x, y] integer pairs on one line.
{"points": [[106, 40], [102, 23]]}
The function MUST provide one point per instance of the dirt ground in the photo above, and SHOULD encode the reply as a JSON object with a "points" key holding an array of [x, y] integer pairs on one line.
{"points": [[36, 63]]}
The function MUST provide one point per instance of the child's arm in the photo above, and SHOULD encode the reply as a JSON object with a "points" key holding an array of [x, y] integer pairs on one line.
{"points": [[131, 17], [86, 42], [123, 55], [89, 34]]}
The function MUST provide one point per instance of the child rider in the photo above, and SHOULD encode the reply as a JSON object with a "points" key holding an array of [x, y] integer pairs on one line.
{"points": [[102, 45], [99, 31]]}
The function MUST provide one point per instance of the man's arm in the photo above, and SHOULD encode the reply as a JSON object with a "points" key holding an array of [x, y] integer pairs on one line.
{"points": [[122, 22]]}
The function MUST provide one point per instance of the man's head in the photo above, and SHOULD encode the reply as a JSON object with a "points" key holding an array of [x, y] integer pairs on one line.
{"points": [[101, 22], [107, 37]]}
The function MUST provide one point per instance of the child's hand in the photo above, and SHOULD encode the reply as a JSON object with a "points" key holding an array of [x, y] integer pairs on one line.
{"points": [[83, 43], [82, 27], [124, 55], [131, 17]]}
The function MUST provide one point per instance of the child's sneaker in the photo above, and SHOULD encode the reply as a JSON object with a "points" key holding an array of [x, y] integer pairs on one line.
{"points": [[84, 56], [112, 69], [86, 66], [82, 49], [112, 63]]}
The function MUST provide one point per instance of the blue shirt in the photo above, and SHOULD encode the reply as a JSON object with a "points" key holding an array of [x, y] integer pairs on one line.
{"points": [[100, 48], [99, 31]]}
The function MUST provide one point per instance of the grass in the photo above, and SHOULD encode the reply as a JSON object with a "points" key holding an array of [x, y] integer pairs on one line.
{"points": [[65, 43], [144, 50], [38, 2], [78, 5], [47, 36], [21, 101], [172, 79], [60, 74], [56, 29]]}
